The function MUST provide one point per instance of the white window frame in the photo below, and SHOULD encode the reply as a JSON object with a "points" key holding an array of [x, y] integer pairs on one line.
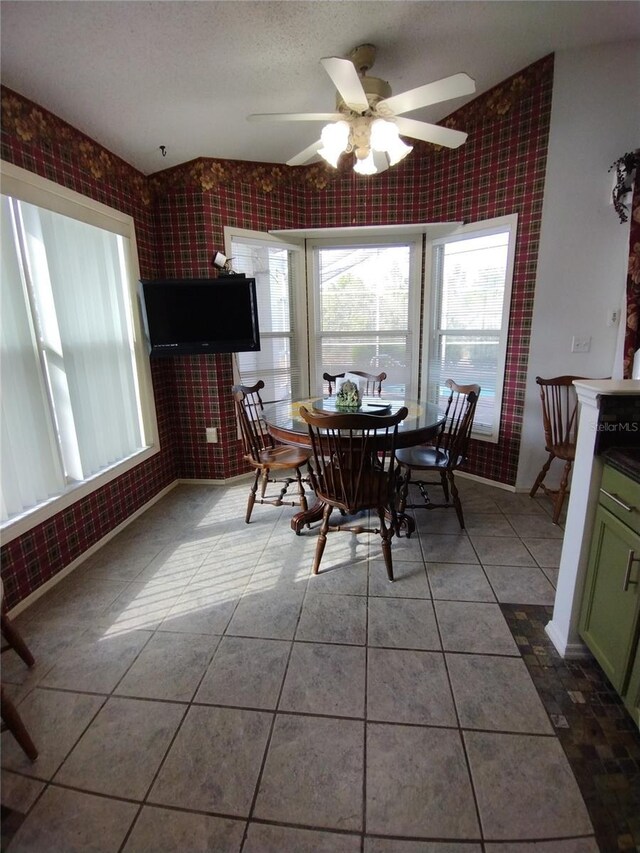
{"points": [[398, 237], [299, 314], [475, 229], [33, 189]]}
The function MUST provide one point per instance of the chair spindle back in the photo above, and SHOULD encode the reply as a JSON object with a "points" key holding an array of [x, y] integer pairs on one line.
{"points": [[459, 414], [559, 410], [249, 407], [354, 458], [373, 381]]}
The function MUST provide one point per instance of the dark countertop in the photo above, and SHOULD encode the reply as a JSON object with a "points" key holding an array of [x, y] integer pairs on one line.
{"points": [[624, 459]]}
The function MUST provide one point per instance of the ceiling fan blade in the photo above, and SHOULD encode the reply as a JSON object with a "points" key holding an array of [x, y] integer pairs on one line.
{"points": [[431, 93], [430, 132], [304, 156], [345, 79], [295, 117]]}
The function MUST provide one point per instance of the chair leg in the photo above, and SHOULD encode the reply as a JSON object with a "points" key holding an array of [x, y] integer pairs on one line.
{"points": [[562, 490], [252, 497], [456, 498], [11, 718], [404, 490], [541, 476], [264, 482], [15, 640], [301, 493], [386, 533], [322, 538], [445, 485]]}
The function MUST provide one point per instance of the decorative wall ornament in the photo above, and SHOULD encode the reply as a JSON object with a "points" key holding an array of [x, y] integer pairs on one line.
{"points": [[632, 329], [626, 170]]}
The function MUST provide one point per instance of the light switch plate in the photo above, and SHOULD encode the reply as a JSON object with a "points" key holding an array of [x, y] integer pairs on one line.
{"points": [[580, 344]]}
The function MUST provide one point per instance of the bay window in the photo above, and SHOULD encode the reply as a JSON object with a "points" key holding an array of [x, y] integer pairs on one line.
{"points": [[466, 339]]}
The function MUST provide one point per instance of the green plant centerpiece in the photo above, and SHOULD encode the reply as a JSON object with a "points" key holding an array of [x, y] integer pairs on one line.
{"points": [[348, 397]]}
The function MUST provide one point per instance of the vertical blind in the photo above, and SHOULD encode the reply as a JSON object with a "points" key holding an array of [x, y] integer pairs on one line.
{"points": [[469, 322], [277, 362], [362, 316], [70, 398]]}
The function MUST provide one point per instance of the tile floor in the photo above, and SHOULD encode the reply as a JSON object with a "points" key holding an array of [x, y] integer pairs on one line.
{"points": [[598, 736], [197, 689]]}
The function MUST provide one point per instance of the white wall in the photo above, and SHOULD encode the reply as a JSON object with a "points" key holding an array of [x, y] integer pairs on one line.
{"points": [[582, 259]]}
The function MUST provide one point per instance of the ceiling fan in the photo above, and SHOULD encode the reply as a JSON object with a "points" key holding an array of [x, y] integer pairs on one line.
{"points": [[369, 120]]}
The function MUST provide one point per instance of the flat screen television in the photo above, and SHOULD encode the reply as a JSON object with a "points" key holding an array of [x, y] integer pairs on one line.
{"points": [[193, 316]]}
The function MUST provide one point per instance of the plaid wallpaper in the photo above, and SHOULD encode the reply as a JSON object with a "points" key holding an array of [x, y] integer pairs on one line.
{"points": [[180, 214], [35, 140]]}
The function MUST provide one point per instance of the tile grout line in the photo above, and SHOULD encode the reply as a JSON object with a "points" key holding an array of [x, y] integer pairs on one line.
{"points": [[275, 712], [363, 823]]}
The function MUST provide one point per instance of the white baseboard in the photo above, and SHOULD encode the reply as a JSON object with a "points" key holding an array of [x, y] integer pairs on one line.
{"points": [[485, 481], [568, 651], [205, 482], [38, 593]]}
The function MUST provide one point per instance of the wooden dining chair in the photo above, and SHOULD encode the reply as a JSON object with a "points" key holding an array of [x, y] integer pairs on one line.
{"points": [[560, 424], [265, 454], [10, 716], [354, 469], [447, 453], [373, 381]]}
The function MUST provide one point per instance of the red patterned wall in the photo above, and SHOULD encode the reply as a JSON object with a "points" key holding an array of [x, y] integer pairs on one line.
{"points": [[190, 228], [180, 215], [40, 142]]}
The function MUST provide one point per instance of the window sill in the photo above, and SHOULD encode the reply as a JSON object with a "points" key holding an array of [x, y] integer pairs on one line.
{"points": [[17, 526]]}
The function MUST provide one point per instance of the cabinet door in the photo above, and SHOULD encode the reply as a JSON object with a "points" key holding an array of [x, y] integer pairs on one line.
{"points": [[609, 616]]}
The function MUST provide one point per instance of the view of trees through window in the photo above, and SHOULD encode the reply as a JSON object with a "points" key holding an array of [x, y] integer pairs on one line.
{"points": [[469, 324], [362, 311]]}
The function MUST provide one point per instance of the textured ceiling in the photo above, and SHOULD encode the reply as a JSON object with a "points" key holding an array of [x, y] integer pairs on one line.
{"points": [[136, 75]]}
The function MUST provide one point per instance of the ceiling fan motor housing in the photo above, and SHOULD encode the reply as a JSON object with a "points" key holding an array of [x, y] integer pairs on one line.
{"points": [[360, 136], [375, 89]]}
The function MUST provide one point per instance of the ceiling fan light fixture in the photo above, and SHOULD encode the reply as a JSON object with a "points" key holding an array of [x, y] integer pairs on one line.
{"points": [[335, 135], [385, 137], [365, 166], [384, 134], [398, 151], [335, 139]]}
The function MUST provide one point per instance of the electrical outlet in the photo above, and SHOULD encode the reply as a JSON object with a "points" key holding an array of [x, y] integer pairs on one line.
{"points": [[212, 435], [580, 344], [613, 315]]}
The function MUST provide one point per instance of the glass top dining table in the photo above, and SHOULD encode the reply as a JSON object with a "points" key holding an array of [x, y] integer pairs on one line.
{"points": [[285, 425], [420, 426]]}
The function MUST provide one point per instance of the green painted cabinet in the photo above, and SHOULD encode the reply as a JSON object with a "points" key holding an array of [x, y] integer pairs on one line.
{"points": [[610, 614], [632, 693]]}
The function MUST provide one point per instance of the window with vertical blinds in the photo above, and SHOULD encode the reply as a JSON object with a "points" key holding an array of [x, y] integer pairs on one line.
{"points": [[280, 362], [470, 296], [364, 311], [72, 384]]}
